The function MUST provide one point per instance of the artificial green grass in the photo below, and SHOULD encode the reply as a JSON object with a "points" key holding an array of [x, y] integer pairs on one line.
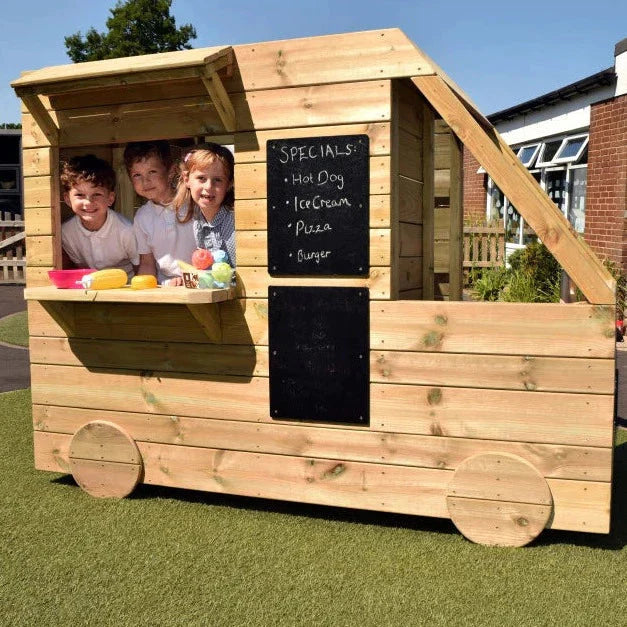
{"points": [[14, 329], [176, 557]]}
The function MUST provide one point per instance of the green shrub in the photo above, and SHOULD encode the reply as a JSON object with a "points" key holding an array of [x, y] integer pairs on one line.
{"points": [[489, 285]]}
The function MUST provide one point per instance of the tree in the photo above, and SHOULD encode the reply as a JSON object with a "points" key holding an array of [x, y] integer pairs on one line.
{"points": [[10, 125], [135, 27]]}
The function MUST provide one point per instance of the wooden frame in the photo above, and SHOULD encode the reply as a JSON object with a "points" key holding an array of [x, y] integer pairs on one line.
{"points": [[462, 396]]}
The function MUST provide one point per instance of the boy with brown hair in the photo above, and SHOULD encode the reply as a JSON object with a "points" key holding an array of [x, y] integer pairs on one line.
{"points": [[96, 236]]}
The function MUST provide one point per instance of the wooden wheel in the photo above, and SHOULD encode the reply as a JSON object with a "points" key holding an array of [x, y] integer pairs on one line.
{"points": [[499, 499], [105, 460]]}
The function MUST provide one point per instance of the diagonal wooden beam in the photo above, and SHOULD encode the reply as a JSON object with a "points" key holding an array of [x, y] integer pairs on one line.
{"points": [[506, 170], [219, 97], [41, 114]]}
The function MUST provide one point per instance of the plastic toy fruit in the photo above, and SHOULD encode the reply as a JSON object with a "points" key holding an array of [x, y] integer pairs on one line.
{"points": [[202, 259], [222, 273], [108, 279], [143, 282]]}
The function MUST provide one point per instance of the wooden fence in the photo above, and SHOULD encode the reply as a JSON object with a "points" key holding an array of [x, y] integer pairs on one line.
{"points": [[484, 246], [12, 249]]}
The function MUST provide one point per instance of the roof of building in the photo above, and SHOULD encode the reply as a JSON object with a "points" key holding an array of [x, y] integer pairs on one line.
{"points": [[582, 86]]}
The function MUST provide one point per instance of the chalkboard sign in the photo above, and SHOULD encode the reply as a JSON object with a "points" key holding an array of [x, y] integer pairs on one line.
{"points": [[319, 353], [318, 206]]}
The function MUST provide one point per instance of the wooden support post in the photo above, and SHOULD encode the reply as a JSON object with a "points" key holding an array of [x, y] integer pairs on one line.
{"points": [[519, 186], [219, 97], [456, 223], [208, 316], [41, 115], [428, 203], [124, 192]]}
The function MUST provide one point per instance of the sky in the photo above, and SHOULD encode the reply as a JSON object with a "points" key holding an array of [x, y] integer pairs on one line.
{"points": [[501, 53]]}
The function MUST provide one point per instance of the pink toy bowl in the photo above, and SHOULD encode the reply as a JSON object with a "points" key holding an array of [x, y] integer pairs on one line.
{"points": [[69, 279]]}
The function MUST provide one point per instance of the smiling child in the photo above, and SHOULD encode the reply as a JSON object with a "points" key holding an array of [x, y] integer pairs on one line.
{"points": [[96, 236]]}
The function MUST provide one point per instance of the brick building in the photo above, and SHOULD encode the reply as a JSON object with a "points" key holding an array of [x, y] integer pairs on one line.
{"points": [[574, 142]]}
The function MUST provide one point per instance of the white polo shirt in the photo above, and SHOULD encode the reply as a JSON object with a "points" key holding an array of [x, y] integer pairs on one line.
{"points": [[159, 232], [113, 245]]}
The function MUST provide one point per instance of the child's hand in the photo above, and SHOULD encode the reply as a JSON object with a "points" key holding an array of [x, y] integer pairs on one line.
{"points": [[174, 282]]}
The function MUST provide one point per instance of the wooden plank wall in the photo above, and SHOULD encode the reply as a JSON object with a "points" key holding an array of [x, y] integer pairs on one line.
{"points": [[448, 215], [408, 161], [448, 380]]}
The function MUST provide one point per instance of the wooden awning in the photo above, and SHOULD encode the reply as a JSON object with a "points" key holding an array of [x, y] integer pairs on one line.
{"points": [[201, 63]]}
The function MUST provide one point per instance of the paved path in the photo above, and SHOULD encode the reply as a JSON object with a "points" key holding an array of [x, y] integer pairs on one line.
{"points": [[14, 362]]}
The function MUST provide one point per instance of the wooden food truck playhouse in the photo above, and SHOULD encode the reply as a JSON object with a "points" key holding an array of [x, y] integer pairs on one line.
{"points": [[329, 374]]}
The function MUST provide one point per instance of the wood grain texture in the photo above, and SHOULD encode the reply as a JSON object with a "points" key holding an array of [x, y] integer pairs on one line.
{"points": [[330, 441], [519, 186], [578, 505], [551, 329], [104, 460], [578, 419], [250, 147], [540, 417]]}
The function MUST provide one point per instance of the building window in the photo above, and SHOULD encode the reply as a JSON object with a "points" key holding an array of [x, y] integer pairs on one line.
{"points": [[561, 170], [527, 154]]}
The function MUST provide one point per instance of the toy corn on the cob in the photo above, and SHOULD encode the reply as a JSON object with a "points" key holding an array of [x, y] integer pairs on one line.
{"points": [[108, 279]]}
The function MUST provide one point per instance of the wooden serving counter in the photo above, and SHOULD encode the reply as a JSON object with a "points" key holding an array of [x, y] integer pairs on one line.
{"points": [[166, 295]]}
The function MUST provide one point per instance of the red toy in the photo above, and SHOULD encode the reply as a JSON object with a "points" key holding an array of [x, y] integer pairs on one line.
{"points": [[202, 259]]}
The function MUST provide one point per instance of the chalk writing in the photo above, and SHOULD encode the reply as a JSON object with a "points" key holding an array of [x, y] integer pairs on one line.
{"points": [[318, 188]]}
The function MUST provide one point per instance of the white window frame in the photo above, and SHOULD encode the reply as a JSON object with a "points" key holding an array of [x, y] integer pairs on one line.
{"points": [[570, 138], [545, 164], [533, 156]]}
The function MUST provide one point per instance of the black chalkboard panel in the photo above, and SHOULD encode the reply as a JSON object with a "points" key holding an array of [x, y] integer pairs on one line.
{"points": [[319, 353], [318, 205]]}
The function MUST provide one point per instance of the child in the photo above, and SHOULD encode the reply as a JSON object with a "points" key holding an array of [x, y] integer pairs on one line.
{"points": [[205, 193], [96, 236], [161, 238]]}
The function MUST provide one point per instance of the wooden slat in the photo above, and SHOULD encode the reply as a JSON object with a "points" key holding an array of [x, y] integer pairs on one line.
{"points": [[542, 417], [410, 156], [252, 215], [317, 105], [32, 135], [38, 221], [243, 322], [409, 115], [579, 505], [176, 357], [220, 99], [524, 192], [535, 374], [252, 178], [366, 55], [456, 225], [40, 251], [497, 328], [428, 205], [410, 273], [253, 282], [564, 462], [578, 419], [252, 247], [83, 73], [442, 183], [41, 115], [250, 147], [164, 295], [410, 240], [410, 200], [163, 119], [37, 276], [37, 162], [38, 191]]}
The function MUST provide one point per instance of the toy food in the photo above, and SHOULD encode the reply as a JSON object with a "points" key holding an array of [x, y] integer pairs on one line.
{"points": [[222, 273], [108, 279], [143, 282], [202, 259], [69, 279]]}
